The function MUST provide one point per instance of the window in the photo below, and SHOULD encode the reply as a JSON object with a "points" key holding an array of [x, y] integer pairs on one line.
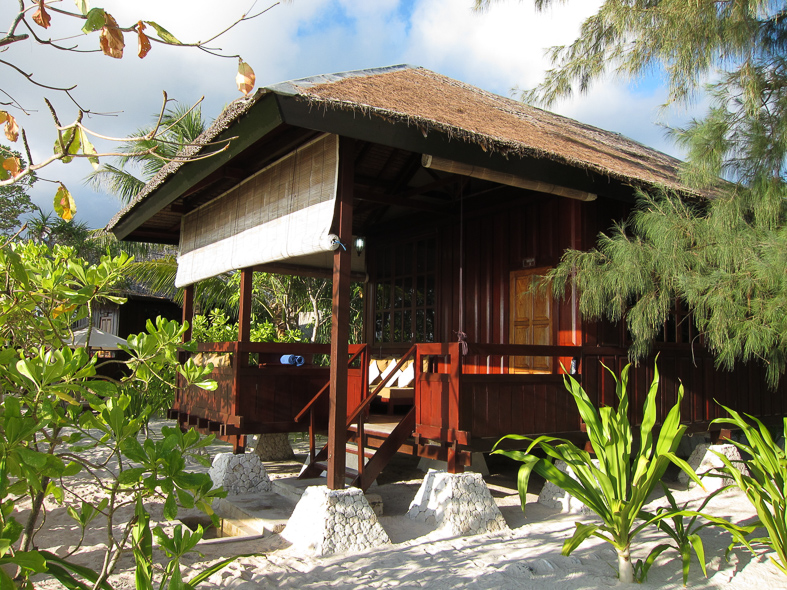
{"points": [[404, 305]]}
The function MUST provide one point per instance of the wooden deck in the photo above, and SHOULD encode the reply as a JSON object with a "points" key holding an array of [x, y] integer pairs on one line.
{"points": [[456, 410]]}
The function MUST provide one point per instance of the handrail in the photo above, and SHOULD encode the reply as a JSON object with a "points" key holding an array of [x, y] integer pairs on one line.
{"points": [[271, 347], [313, 400], [365, 403], [480, 349]]}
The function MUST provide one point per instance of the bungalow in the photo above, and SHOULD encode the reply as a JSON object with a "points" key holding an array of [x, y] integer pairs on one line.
{"points": [[461, 199]]}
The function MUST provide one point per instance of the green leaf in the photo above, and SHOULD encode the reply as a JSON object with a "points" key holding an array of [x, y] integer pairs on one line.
{"points": [[88, 149], [72, 468], [96, 19], [130, 476], [6, 583], [53, 562], [582, 532], [699, 549], [31, 560], [645, 567], [170, 508], [215, 568], [163, 33]]}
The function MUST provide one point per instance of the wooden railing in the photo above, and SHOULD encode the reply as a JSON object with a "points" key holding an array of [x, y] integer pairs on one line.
{"points": [[360, 350], [359, 413], [455, 402]]}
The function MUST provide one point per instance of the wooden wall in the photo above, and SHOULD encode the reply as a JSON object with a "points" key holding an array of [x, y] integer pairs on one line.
{"points": [[525, 233], [533, 232]]}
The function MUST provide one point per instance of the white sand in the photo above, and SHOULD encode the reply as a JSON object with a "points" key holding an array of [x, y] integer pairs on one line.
{"points": [[526, 557]]}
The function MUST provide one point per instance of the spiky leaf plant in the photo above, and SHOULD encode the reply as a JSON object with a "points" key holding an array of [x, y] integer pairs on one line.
{"points": [[617, 484], [766, 486], [684, 534]]}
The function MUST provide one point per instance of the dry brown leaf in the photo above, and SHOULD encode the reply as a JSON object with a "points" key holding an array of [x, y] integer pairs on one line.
{"points": [[11, 128], [41, 16], [144, 42], [245, 78], [13, 165], [111, 38]]}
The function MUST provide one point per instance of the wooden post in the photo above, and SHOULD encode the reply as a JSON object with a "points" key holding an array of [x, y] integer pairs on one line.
{"points": [[340, 320], [188, 310], [241, 359], [244, 313]]}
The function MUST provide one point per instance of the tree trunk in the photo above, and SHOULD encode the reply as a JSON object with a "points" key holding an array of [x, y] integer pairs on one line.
{"points": [[625, 569]]}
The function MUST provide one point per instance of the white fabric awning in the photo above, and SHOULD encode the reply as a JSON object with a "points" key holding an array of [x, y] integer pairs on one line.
{"points": [[285, 211], [98, 340]]}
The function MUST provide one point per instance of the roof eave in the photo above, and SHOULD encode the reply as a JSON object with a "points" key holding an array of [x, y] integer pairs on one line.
{"points": [[262, 117]]}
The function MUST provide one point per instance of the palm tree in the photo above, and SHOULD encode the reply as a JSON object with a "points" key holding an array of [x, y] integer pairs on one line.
{"points": [[179, 126]]}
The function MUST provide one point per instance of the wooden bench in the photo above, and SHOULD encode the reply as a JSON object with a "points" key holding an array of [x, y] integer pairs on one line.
{"points": [[400, 391]]}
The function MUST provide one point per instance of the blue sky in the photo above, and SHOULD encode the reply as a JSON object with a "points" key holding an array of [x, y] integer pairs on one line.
{"points": [[498, 50]]}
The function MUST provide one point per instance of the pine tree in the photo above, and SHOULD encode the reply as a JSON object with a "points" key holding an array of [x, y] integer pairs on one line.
{"points": [[723, 257]]}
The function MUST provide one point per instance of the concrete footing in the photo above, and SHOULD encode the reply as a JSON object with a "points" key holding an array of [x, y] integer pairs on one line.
{"points": [[457, 503], [333, 521], [554, 497], [239, 474], [477, 464], [703, 460], [274, 447]]}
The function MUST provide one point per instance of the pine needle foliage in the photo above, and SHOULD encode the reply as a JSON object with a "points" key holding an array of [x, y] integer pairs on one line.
{"points": [[723, 258], [732, 278]]}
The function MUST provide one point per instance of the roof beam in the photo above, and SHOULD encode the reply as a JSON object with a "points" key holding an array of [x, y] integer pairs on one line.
{"points": [[397, 201]]}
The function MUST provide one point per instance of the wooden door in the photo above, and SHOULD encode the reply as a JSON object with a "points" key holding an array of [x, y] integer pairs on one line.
{"points": [[531, 319]]}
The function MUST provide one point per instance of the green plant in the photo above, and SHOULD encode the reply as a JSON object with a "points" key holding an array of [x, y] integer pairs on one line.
{"points": [[617, 485], [95, 463], [766, 486], [685, 534]]}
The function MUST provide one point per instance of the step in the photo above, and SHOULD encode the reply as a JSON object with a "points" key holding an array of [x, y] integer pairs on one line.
{"points": [[352, 449], [292, 488], [379, 425], [254, 514]]}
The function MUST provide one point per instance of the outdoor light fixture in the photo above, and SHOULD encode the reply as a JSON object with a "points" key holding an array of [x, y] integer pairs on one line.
{"points": [[444, 165], [360, 244]]}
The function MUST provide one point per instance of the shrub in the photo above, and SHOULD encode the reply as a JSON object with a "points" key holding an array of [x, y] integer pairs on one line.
{"points": [[46, 437], [618, 484], [766, 486]]}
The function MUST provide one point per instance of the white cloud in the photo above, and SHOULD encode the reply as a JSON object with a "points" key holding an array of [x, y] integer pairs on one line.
{"points": [[496, 50]]}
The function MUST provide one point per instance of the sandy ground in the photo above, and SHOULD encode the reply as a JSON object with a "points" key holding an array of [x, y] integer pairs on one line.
{"points": [[528, 556]]}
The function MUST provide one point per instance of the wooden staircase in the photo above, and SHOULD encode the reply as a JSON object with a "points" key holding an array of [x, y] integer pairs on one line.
{"points": [[380, 436]]}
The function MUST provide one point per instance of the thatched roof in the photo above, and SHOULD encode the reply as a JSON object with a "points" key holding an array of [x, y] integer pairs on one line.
{"points": [[433, 103]]}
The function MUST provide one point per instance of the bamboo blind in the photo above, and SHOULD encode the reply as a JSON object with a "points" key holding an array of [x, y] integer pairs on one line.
{"points": [[284, 210]]}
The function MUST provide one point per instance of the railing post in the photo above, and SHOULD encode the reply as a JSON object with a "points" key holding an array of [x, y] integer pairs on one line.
{"points": [[244, 313], [312, 452], [455, 373], [361, 445]]}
